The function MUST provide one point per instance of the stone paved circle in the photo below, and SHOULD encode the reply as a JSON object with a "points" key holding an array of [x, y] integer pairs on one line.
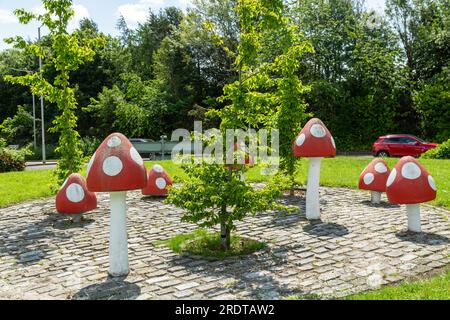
{"points": [[356, 247]]}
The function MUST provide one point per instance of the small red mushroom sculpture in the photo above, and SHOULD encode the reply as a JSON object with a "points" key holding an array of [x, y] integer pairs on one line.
{"points": [[409, 183], [74, 198], [116, 167], [314, 142], [374, 177], [157, 182], [248, 160]]}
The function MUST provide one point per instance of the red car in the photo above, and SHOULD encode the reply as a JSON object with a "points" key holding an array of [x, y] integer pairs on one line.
{"points": [[399, 145]]}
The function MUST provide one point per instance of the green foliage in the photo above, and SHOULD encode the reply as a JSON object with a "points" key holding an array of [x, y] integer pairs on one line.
{"points": [[138, 110], [68, 52], [88, 145], [269, 92], [440, 152], [11, 159], [203, 243], [435, 288], [214, 194]]}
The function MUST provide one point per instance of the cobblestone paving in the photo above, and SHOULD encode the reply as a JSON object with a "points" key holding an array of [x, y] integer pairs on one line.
{"points": [[357, 246]]}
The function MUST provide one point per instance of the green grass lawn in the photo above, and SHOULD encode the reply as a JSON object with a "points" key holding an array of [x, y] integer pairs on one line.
{"points": [[436, 288], [340, 172], [204, 243]]}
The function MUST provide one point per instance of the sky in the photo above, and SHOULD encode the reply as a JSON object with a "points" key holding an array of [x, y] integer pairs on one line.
{"points": [[104, 12]]}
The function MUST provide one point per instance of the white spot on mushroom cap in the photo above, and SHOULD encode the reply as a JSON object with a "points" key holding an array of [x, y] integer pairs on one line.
{"points": [[300, 139], [90, 164], [136, 156], [160, 183], [75, 192], [411, 171], [380, 167], [333, 143], [158, 168], [432, 183], [114, 141], [368, 178], [112, 166], [318, 131], [391, 177]]}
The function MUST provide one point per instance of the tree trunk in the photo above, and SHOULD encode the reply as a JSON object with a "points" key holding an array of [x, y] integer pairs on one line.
{"points": [[224, 237]]}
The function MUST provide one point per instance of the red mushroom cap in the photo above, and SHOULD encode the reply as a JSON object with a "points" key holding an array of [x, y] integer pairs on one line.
{"points": [[314, 141], [116, 166], [374, 176], [409, 183], [157, 182], [74, 196], [248, 158]]}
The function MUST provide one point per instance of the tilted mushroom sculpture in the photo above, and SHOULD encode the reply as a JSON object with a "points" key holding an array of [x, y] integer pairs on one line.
{"points": [[74, 198], [374, 177], [116, 167], [314, 142], [157, 182], [409, 183]]}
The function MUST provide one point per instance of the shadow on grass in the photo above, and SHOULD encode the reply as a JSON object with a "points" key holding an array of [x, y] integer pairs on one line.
{"points": [[111, 289], [422, 237]]}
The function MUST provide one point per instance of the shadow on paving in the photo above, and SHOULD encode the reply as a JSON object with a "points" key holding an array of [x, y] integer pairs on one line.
{"points": [[422, 238], [111, 289], [30, 242], [252, 274], [382, 204]]}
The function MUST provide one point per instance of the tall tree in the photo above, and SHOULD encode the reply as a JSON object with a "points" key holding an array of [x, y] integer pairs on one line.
{"points": [[66, 56]]}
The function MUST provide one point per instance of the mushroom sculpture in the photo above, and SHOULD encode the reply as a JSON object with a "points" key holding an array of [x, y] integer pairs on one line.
{"points": [[374, 177], [409, 183], [157, 182], [74, 198], [248, 159], [116, 167], [314, 142]]}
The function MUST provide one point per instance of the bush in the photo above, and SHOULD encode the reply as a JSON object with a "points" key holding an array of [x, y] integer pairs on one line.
{"points": [[441, 152], [89, 145], [36, 155], [12, 160]]}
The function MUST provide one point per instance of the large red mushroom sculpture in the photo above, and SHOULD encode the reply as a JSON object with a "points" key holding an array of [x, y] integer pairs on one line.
{"points": [[374, 177], [74, 198], [117, 167], [157, 182], [409, 183], [314, 142]]}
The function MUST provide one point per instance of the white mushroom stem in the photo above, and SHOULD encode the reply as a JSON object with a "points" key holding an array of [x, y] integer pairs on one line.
{"points": [[375, 197], [312, 189], [118, 242], [413, 211], [242, 176]]}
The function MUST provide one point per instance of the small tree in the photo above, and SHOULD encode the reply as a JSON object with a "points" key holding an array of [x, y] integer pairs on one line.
{"points": [[213, 194], [269, 92], [67, 53]]}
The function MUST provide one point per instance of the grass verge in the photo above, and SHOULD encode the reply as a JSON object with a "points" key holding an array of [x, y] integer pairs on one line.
{"points": [[435, 288]]}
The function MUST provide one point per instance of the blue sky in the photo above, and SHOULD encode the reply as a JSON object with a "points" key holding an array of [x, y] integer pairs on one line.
{"points": [[104, 12]]}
